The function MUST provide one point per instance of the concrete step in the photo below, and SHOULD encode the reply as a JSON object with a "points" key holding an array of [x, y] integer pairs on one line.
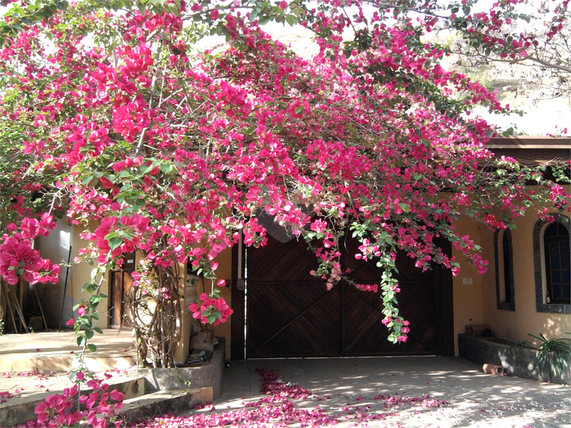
{"points": [[55, 351], [62, 363], [156, 403], [22, 409]]}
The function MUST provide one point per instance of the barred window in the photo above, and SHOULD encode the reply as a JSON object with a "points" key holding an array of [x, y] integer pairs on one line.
{"points": [[552, 262], [505, 290], [557, 260]]}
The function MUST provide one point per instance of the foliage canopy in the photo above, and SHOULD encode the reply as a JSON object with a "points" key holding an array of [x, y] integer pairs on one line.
{"points": [[110, 116]]}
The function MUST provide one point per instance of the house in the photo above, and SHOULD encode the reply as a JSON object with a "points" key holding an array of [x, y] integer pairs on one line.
{"points": [[527, 288], [280, 310]]}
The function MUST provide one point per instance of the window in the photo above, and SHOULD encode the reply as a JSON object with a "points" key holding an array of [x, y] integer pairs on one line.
{"points": [[505, 290], [552, 261], [556, 241]]}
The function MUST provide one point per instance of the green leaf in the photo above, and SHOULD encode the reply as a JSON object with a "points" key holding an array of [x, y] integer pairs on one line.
{"points": [[80, 340], [291, 19], [90, 287], [211, 319], [62, 5], [115, 242], [508, 132], [87, 179], [98, 330], [255, 12], [96, 298], [92, 347], [166, 168], [89, 334], [127, 235]]}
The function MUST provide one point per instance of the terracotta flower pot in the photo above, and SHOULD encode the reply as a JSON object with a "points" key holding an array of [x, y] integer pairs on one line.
{"points": [[493, 369]]}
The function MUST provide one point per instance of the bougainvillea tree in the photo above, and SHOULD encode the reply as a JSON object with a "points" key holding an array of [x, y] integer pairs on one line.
{"points": [[535, 36], [115, 121]]}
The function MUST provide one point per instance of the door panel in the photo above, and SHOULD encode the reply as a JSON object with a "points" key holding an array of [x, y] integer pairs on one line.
{"points": [[120, 284], [291, 314], [299, 319]]}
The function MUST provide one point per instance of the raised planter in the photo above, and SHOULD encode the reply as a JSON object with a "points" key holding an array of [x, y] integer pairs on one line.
{"points": [[516, 361], [187, 377]]}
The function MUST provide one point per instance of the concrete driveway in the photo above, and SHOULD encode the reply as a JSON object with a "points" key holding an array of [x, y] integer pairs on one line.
{"points": [[374, 392], [459, 393]]}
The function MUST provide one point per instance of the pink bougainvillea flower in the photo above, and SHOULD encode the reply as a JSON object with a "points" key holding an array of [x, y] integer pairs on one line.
{"points": [[81, 310]]}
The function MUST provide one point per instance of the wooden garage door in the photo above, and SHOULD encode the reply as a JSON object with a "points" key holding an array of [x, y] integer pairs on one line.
{"points": [[291, 314]]}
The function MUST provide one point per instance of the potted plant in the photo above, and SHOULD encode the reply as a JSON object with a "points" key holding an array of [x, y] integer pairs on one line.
{"points": [[553, 356]]}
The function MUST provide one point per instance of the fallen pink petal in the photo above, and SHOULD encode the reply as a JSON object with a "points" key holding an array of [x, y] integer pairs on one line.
{"points": [[280, 406]]}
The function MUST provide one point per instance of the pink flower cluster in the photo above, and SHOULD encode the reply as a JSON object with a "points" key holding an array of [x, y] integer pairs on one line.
{"points": [[6, 394], [399, 326], [101, 405], [394, 401], [58, 408], [368, 287], [272, 384], [212, 310], [18, 257]]}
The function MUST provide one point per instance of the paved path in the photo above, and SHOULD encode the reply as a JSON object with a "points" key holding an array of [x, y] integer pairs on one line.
{"points": [[475, 399], [343, 386]]}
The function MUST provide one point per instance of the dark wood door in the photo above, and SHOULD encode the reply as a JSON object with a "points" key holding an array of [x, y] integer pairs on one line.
{"points": [[120, 282], [291, 314]]}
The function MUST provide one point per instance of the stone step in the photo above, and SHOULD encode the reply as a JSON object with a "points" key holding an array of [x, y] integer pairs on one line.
{"points": [[22, 409], [160, 402]]}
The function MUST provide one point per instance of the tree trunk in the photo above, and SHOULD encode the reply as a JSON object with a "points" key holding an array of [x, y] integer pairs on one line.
{"points": [[157, 318]]}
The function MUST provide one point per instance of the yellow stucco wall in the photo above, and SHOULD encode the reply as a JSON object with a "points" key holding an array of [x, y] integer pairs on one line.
{"points": [[56, 248], [467, 286], [476, 303], [515, 325], [81, 274], [225, 272]]}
